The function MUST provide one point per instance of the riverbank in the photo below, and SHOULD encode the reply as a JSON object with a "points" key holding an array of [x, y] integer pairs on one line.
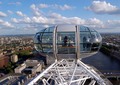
{"points": [[110, 52]]}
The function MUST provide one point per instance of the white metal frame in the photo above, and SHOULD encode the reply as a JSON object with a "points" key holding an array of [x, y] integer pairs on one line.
{"points": [[54, 42], [67, 72], [77, 42]]}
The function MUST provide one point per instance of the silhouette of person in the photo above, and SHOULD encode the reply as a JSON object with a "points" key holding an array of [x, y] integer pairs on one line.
{"points": [[65, 40], [88, 43], [38, 38], [84, 42]]}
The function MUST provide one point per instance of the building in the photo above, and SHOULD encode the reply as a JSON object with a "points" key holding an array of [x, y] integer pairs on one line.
{"points": [[20, 68], [29, 67], [3, 60], [13, 79], [14, 58]]}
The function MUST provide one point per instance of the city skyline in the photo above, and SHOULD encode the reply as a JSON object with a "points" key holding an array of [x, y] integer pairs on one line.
{"points": [[28, 17]]}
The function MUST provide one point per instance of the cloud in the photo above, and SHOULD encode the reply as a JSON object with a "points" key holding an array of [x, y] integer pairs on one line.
{"points": [[55, 18], [64, 7], [9, 11], [55, 15], [36, 10], [43, 6], [94, 22], [15, 3], [6, 24], [102, 7], [2, 14], [25, 20], [39, 20], [15, 20], [20, 14], [56, 6]]}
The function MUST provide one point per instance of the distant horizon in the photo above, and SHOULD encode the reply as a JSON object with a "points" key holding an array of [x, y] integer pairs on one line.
{"points": [[35, 33], [16, 34]]}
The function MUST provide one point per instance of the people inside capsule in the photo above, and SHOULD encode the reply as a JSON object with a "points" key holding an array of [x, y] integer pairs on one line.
{"points": [[84, 43], [65, 41], [38, 38], [88, 43]]}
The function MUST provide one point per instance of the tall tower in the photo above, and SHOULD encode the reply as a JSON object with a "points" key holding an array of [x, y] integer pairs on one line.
{"points": [[65, 45]]}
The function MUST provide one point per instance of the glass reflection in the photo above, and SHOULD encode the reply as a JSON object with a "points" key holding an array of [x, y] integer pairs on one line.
{"points": [[89, 39]]}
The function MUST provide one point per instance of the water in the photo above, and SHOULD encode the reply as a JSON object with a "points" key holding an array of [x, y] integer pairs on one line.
{"points": [[103, 62]]}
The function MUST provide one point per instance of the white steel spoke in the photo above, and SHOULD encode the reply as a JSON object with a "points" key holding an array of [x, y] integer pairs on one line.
{"points": [[67, 72], [73, 73]]}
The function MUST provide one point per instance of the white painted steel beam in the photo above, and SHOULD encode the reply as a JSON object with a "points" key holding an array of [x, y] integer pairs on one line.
{"points": [[65, 72]]}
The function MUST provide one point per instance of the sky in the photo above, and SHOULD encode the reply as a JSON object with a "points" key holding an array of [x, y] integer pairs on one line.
{"points": [[30, 16]]}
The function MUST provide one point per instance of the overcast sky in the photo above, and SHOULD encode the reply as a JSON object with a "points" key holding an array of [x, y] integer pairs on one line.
{"points": [[30, 16]]}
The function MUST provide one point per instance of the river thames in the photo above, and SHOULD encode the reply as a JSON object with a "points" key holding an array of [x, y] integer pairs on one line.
{"points": [[105, 64]]}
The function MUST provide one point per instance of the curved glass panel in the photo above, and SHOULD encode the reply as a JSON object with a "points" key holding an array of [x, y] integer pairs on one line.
{"points": [[84, 29], [96, 37], [50, 29], [47, 42], [37, 38], [85, 39], [90, 40], [43, 40], [91, 30], [38, 41]]}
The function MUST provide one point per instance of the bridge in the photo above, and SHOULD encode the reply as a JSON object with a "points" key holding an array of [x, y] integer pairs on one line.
{"points": [[111, 74]]}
